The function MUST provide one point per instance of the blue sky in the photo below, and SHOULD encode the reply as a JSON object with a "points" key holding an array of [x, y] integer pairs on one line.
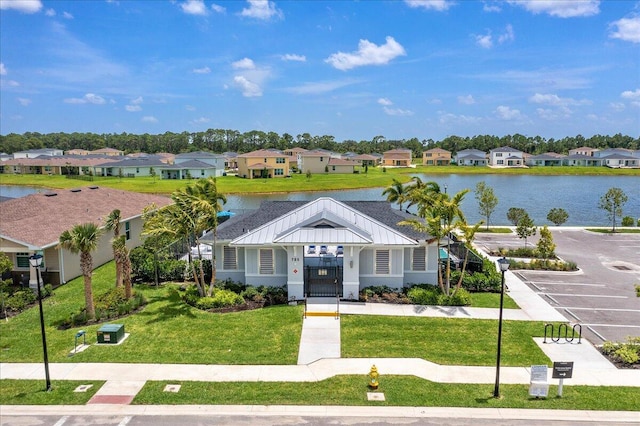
{"points": [[351, 69]]}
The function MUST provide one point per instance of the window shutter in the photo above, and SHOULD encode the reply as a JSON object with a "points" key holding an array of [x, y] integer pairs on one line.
{"points": [[230, 258], [382, 262], [266, 261], [419, 259]]}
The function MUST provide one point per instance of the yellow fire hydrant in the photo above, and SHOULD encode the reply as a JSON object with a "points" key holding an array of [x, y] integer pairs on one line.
{"points": [[373, 377]]}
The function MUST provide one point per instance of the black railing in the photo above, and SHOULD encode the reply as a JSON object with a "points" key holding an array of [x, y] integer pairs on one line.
{"points": [[555, 338]]}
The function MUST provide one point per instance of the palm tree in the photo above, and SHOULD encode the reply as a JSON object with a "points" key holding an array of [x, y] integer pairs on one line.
{"points": [[112, 223], [83, 239], [468, 234], [395, 193], [122, 258]]}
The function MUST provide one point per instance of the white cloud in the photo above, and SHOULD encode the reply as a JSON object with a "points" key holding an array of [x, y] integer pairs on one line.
{"points": [[552, 99], [200, 120], [617, 106], [218, 9], [24, 6], [261, 9], [149, 119], [385, 101], [466, 100], [633, 96], [189, 107], [249, 88], [89, 98], [491, 7], [507, 35], [137, 101], [67, 15], [435, 101], [560, 8], [24, 101], [244, 64], [194, 7], [203, 70], [368, 54], [397, 112], [50, 12], [3, 69], [317, 88], [133, 108], [484, 41], [554, 114], [508, 113], [627, 29], [445, 118], [292, 57], [439, 5]]}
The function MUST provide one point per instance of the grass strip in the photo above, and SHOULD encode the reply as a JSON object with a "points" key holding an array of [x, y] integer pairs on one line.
{"points": [[351, 390], [32, 392], [492, 300], [447, 341]]}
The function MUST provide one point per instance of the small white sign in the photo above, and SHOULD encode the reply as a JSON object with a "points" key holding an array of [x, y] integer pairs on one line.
{"points": [[539, 390]]}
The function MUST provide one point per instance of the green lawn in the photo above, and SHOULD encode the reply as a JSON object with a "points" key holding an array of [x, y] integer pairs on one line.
{"points": [[408, 391], [375, 178], [492, 300], [32, 392]]}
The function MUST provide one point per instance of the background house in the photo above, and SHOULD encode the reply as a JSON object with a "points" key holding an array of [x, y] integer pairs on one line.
{"points": [[506, 157], [263, 163], [471, 157], [436, 157], [397, 158], [33, 224]]}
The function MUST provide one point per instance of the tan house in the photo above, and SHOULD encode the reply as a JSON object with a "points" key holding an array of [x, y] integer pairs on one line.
{"points": [[320, 162], [366, 159], [436, 157], [33, 224], [63, 165], [107, 151], [397, 158], [264, 163], [78, 151], [584, 150]]}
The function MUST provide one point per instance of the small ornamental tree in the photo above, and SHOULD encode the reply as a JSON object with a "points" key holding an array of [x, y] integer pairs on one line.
{"points": [[525, 228], [612, 203], [514, 214], [487, 200], [557, 216], [546, 247]]}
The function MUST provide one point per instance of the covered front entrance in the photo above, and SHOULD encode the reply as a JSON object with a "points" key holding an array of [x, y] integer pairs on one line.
{"points": [[323, 281], [323, 271]]}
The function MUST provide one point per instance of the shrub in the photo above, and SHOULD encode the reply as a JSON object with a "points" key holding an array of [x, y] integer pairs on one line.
{"points": [[423, 296], [627, 352], [431, 295], [19, 300], [112, 304], [220, 299], [627, 221]]}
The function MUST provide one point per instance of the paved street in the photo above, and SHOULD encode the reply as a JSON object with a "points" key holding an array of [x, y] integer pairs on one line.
{"points": [[601, 296]]}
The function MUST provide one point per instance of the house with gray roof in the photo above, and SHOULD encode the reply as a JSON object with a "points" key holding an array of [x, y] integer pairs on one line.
{"points": [[324, 248], [471, 157], [506, 157], [546, 159]]}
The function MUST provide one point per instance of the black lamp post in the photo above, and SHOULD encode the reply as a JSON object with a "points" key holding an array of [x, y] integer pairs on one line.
{"points": [[36, 261], [504, 266]]}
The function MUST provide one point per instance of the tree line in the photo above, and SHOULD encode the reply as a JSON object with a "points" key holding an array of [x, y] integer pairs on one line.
{"points": [[221, 140]]}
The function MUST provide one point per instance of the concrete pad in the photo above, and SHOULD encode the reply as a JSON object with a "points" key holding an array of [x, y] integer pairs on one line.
{"points": [[320, 338], [375, 396]]}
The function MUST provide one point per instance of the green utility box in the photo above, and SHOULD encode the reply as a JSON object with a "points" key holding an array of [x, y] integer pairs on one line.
{"points": [[111, 333]]}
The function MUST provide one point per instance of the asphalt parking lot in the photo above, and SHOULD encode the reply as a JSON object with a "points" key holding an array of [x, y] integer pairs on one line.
{"points": [[601, 296]]}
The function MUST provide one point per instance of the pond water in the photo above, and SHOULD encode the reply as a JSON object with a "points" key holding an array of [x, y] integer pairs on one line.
{"points": [[578, 195]]}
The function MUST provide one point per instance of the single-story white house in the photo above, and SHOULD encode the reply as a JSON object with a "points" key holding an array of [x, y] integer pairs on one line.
{"points": [[324, 248], [33, 224]]}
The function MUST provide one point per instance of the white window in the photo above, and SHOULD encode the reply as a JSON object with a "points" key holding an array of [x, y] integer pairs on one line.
{"points": [[419, 260], [266, 262], [127, 230], [382, 262], [230, 258]]}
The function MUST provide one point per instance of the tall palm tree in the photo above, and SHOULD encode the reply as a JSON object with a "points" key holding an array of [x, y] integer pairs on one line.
{"points": [[83, 239], [395, 193], [112, 223], [468, 235], [122, 258]]}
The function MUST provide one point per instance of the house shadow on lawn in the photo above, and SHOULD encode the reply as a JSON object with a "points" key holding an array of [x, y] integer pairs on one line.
{"points": [[174, 307]]}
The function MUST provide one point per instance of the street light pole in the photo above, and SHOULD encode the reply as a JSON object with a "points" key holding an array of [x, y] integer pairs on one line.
{"points": [[504, 266], [36, 261]]}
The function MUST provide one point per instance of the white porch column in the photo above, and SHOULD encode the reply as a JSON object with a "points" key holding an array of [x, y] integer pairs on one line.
{"points": [[295, 272], [351, 273]]}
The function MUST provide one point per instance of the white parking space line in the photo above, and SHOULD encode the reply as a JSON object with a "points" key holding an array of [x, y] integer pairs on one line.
{"points": [[563, 283], [612, 325], [125, 421], [600, 309], [600, 336], [62, 421], [586, 295]]}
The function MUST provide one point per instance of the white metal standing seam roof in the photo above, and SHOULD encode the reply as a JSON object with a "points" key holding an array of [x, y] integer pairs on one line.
{"points": [[345, 225]]}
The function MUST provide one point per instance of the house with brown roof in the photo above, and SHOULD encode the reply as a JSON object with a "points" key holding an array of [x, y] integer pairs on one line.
{"points": [[33, 224], [324, 162], [436, 157], [397, 158], [366, 159], [108, 151], [263, 163]]}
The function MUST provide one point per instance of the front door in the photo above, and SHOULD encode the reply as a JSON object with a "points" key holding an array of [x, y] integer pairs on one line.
{"points": [[323, 281]]}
